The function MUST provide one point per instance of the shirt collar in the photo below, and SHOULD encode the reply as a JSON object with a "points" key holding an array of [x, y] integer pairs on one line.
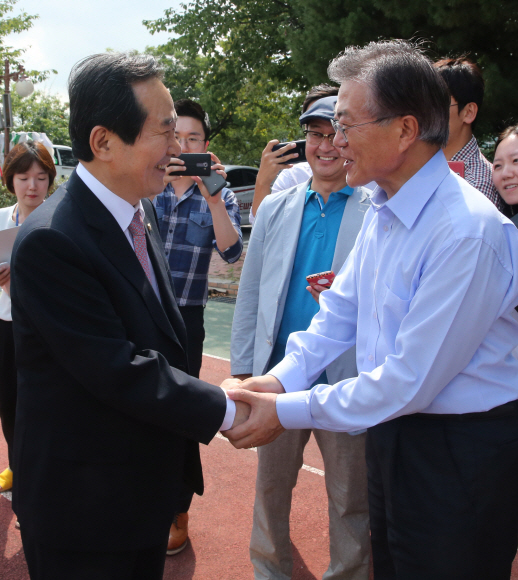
{"points": [[410, 200], [120, 209], [344, 191], [469, 150]]}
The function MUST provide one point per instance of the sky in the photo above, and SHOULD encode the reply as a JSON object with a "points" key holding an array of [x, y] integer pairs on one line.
{"points": [[65, 32]]}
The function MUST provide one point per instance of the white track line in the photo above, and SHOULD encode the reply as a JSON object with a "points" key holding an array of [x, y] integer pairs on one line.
{"points": [[306, 467], [218, 357]]}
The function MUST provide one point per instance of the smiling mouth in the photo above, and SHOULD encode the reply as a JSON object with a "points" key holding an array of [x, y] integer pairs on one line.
{"points": [[326, 158], [511, 186], [161, 167]]}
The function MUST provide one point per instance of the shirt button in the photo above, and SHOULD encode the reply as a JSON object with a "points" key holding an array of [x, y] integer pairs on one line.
{"points": [[385, 228], [322, 215], [171, 231], [371, 357]]}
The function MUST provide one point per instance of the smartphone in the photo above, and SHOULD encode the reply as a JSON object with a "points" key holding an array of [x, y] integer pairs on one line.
{"points": [[214, 182], [300, 149], [195, 164], [322, 279], [457, 167]]}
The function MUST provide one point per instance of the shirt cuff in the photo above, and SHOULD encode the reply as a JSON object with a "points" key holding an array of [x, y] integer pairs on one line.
{"points": [[289, 375], [230, 415], [293, 410]]}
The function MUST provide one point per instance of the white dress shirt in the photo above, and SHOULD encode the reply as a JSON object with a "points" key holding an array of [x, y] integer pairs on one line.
{"points": [[428, 296], [123, 213]]}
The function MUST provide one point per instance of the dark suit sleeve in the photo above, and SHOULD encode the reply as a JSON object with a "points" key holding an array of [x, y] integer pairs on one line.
{"points": [[57, 290]]}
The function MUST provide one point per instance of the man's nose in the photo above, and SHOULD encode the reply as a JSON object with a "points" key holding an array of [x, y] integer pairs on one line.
{"points": [[174, 148], [339, 140]]}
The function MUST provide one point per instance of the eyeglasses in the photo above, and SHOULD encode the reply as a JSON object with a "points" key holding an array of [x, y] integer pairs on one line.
{"points": [[316, 138], [343, 128], [190, 142]]}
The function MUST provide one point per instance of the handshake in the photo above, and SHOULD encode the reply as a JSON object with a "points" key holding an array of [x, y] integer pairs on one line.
{"points": [[256, 422]]}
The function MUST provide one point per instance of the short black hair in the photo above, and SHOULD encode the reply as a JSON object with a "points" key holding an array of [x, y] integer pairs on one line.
{"points": [[464, 80], [100, 89], [188, 108], [319, 92], [401, 81]]}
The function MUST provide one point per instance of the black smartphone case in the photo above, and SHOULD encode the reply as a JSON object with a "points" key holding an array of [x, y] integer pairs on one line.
{"points": [[195, 164], [300, 149], [214, 182]]}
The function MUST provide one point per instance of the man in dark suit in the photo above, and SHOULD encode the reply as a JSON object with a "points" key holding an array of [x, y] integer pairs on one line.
{"points": [[108, 419]]}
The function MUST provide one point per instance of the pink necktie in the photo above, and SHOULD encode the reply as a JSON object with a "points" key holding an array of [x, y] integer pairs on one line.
{"points": [[138, 232]]}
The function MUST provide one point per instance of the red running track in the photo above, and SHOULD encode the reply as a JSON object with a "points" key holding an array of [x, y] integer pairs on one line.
{"points": [[220, 521]]}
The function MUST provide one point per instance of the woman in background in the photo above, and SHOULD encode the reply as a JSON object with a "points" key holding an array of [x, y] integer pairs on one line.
{"points": [[29, 172], [505, 171]]}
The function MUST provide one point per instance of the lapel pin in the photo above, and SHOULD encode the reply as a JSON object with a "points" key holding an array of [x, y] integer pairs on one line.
{"points": [[149, 227]]}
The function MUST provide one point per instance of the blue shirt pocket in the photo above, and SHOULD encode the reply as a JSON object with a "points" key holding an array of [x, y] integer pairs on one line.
{"points": [[199, 229]]}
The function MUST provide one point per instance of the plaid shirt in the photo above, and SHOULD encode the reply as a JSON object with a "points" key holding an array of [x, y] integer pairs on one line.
{"points": [[188, 237], [478, 172]]}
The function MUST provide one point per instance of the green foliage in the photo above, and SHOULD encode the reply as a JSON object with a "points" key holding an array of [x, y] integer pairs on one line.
{"points": [[16, 24], [249, 63], [43, 113]]}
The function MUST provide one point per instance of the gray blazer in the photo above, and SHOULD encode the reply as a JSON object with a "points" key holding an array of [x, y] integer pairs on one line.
{"points": [[266, 275]]}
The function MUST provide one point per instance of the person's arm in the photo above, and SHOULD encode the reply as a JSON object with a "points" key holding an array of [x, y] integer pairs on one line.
{"points": [[244, 324], [56, 290], [271, 164], [435, 342], [226, 219]]}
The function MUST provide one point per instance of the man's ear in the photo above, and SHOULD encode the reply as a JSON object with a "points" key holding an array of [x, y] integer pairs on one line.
{"points": [[101, 143], [409, 132], [206, 146], [469, 113]]}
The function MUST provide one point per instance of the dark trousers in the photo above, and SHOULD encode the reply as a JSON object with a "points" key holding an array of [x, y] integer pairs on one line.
{"points": [[443, 496], [8, 385], [193, 319], [45, 562]]}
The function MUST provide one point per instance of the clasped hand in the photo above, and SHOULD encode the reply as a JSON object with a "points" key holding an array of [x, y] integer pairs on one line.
{"points": [[256, 421]]}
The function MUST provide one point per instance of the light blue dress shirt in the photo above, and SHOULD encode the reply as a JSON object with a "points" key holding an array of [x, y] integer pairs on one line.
{"points": [[428, 296]]}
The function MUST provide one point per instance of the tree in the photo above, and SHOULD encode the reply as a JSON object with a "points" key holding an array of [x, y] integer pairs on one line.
{"points": [[16, 24], [43, 113], [284, 46]]}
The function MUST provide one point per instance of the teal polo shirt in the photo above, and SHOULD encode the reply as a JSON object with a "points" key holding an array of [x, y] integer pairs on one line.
{"points": [[315, 250]]}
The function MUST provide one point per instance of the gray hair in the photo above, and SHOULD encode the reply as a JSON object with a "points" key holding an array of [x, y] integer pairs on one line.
{"points": [[401, 81]]}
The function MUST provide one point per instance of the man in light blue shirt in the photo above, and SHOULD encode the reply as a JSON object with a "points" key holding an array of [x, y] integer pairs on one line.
{"points": [[428, 297], [303, 230]]}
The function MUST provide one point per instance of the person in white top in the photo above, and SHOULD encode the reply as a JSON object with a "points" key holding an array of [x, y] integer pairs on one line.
{"points": [[29, 172]]}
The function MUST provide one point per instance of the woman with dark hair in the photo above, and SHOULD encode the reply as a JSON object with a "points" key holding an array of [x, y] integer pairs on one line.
{"points": [[29, 172], [505, 171]]}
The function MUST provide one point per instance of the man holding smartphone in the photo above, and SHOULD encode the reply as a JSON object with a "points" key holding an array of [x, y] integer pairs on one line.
{"points": [[304, 230], [192, 223]]}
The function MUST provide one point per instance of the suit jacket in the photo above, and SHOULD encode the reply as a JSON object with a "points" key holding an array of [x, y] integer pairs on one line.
{"points": [[108, 420], [266, 276]]}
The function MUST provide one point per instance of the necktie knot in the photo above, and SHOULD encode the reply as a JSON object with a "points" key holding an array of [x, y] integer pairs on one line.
{"points": [[136, 226]]}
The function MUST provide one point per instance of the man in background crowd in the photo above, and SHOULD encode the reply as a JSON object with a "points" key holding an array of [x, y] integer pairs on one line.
{"points": [[466, 87], [300, 231], [192, 224], [272, 162]]}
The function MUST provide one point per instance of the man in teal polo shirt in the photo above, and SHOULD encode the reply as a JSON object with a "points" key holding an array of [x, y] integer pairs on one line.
{"points": [[301, 231]]}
